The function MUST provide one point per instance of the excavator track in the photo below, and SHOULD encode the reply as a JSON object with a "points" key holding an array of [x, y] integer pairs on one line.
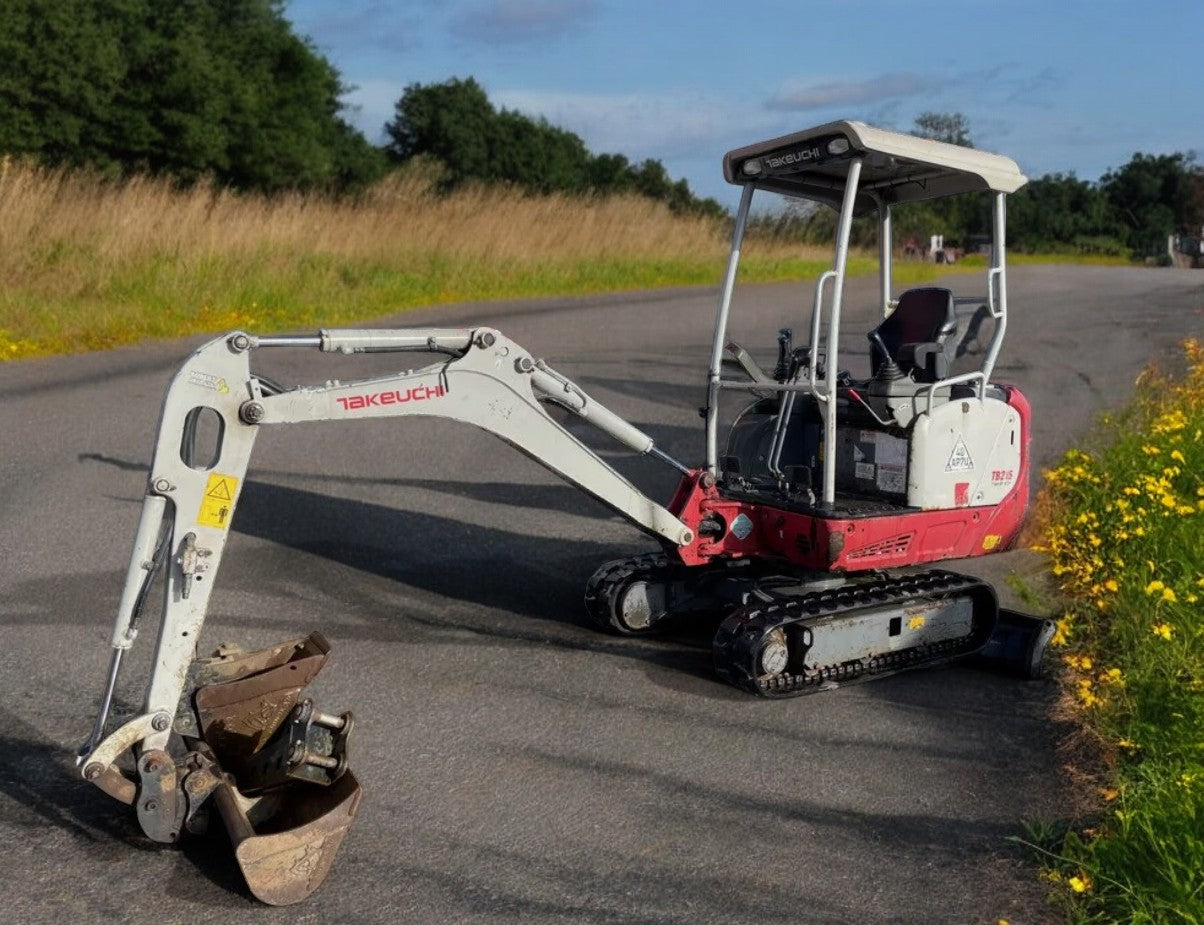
{"points": [[634, 596], [610, 580], [642, 594], [797, 644]]}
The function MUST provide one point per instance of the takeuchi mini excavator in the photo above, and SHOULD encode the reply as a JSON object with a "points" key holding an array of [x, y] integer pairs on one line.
{"points": [[799, 535]]}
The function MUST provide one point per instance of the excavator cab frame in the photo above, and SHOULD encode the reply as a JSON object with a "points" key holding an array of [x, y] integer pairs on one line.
{"points": [[856, 169]]}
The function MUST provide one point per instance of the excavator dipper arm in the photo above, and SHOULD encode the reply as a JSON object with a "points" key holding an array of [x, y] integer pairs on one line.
{"points": [[233, 711]]}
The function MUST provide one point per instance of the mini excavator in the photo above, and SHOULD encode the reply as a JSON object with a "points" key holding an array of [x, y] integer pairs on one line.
{"points": [[801, 534]]}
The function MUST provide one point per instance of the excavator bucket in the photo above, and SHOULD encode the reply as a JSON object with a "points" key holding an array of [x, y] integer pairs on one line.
{"points": [[279, 765], [285, 855]]}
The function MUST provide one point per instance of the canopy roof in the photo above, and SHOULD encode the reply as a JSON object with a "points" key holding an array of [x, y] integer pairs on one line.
{"points": [[814, 164]]}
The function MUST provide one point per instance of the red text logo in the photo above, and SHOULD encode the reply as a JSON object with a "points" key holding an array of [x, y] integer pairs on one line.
{"points": [[395, 397]]}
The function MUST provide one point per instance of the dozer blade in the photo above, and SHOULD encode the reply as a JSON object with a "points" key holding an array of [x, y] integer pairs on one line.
{"points": [[285, 794], [286, 856]]}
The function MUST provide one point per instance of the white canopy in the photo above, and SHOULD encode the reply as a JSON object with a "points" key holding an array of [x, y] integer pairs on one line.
{"points": [[896, 167]]}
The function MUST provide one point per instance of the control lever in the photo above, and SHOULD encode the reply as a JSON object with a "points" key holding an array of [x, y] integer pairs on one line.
{"points": [[782, 371]]}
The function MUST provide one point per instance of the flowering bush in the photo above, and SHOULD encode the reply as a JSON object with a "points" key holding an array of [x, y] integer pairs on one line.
{"points": [[1124, 532]]}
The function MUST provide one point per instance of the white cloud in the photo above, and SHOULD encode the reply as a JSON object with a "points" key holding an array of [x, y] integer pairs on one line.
{"points": [[799, 96], [519, 21], [638, 125]]}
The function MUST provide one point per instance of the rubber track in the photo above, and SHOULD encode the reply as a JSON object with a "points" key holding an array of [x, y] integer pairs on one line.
{"points": [[600, 587], [738, 639]]}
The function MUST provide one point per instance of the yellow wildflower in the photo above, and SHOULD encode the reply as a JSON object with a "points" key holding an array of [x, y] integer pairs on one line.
{"points": [[1087, 696], [1062, 634], [1154, 587], [1177, 456], [1109, 793], [1111, 585], [1112, 676], [1168, 594], [1127, 744], [1164, 630], [1080, 884]]}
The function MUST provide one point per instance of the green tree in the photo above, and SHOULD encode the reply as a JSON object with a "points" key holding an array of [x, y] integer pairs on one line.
{"points": [[1059, 212], [950, 127], [1154, 195], [455, 123], [60, 66], [451, 121], [181, 87]]}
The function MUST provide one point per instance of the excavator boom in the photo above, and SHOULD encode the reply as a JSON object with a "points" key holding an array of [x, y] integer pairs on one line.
{"points": [[211, 415]]}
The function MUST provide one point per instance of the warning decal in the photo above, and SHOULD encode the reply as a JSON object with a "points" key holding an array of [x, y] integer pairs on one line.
{"points": [[218, 503], [959, 459]]}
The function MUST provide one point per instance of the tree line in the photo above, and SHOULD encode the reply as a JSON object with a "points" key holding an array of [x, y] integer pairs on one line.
{"points": [[183, 88], [1130, 211], [1132, 208], [225, 89], [455, 123]]}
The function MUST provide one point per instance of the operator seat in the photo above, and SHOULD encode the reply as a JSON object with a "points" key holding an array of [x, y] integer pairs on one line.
{"points": [[914, 334]]}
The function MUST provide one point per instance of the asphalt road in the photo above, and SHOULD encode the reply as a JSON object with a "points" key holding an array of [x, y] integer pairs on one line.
{"points": [[517, 764]]}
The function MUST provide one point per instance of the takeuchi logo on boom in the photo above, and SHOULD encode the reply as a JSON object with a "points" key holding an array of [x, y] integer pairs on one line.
{"points": [[392, 397]]}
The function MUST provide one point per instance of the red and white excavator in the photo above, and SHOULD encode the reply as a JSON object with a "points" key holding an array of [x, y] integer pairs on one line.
{"points": [[800, 533]]}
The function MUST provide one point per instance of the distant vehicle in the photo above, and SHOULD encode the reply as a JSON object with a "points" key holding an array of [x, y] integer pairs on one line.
{"points": [[1187, 250]]}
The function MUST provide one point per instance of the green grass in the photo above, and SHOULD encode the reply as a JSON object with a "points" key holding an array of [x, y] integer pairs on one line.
{"points": [[1124, 529], [161, 297], [1084, 260], [87, 262]]}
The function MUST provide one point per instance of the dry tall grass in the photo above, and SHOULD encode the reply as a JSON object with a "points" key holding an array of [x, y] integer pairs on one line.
{"points": [[88, 261], [141, 217]]}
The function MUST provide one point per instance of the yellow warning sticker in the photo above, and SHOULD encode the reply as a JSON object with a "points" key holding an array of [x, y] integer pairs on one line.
{"points": [[991, 540], [218, 503], [915, 623]]}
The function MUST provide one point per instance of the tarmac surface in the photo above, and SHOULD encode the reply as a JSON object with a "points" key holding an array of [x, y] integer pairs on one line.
{"points": [[517, 764]]}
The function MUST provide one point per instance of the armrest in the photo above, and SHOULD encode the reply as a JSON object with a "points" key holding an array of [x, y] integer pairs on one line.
{"points": [[926, 361]]}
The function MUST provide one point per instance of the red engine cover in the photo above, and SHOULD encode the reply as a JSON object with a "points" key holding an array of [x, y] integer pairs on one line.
{"points": [[850, 544]]}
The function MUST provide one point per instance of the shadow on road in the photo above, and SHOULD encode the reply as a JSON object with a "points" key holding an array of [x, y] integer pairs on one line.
{"points": [[39, 786]]}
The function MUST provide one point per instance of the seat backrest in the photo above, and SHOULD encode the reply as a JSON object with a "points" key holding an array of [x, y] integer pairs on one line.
{"points": [[922, 316]]}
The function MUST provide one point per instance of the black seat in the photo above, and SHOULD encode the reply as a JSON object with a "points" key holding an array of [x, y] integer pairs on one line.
{"points": [[914, 334]]}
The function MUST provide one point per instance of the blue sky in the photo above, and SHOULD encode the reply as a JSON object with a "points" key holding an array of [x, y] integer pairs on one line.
{"points": [[1060, 86]]}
